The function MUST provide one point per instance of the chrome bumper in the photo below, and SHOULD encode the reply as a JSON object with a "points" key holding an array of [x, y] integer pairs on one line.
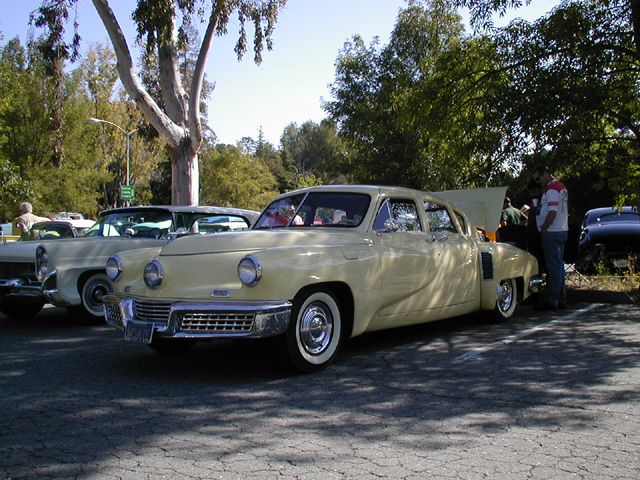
{"points": [[183, 319], [51, 292], [536, 284], [18, 286]]}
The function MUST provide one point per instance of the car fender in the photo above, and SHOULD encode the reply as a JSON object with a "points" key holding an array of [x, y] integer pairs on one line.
{"points": [[500, 261]]}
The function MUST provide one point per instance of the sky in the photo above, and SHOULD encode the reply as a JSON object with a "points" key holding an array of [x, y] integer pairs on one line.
{"points": [[293, 79]]}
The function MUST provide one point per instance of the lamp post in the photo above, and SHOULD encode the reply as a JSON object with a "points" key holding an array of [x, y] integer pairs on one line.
{"points": [[128, 135]]}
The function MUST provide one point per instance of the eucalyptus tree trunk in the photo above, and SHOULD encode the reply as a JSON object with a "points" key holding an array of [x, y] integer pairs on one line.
{"points": [[180, 124]]}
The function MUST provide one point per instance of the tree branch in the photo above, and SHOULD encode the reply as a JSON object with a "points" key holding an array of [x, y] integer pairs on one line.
{"points": [[171, 132]]}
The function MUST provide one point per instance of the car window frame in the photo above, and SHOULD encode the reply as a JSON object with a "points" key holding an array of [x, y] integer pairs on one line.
{"points": [[390, 224], [443, 207]]}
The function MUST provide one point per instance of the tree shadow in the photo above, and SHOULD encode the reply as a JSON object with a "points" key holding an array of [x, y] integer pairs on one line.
{"points": [[76, 396]]}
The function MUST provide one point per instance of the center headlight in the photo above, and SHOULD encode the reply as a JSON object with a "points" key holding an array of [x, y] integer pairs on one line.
{"points": [[114, 268], [42, 262], [153, 274], [250, 271]]}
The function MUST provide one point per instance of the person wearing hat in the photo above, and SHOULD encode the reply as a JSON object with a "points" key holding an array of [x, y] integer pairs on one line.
{"points": [[552, 220]]}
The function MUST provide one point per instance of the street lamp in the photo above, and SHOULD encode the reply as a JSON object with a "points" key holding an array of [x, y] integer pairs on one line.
{"points": [[128, 134]]}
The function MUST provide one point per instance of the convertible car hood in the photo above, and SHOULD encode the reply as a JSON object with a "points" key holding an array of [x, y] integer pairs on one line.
{"points": [[248, 240], [483, 206]]}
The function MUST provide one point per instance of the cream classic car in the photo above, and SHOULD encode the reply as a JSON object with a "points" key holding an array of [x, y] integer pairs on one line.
{"points": [[70, 272], [320, 265]]}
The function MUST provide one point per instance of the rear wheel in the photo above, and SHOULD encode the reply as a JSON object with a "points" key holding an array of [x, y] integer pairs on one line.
{"points": [[315, 330], [506, 300], [18, 309]]}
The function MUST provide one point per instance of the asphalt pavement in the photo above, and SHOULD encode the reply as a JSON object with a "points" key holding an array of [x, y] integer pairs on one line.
{"points": [[539, 397]]}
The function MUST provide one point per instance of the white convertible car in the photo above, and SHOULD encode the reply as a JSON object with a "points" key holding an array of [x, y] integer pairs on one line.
{"points": [[320, 265], [69, 272]]}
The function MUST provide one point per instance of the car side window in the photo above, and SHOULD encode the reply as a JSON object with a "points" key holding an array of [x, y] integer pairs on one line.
{"points": [[462, 222], [439, 218], [398, 215]]}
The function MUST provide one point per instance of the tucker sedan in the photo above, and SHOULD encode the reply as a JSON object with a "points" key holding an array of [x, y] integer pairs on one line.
{"points": [[320, 265], [610, 235], [70, 272]]}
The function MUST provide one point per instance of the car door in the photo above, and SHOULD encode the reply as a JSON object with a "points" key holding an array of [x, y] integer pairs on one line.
{"points": [[407, 259], [455, 251]]}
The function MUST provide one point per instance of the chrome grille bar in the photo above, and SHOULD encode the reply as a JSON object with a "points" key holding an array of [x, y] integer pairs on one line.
{"points": [[194, 322], [157, 312]]}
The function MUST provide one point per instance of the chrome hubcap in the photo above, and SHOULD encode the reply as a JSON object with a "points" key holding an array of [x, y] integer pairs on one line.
{"points": [[316, 328], [505, 296]]}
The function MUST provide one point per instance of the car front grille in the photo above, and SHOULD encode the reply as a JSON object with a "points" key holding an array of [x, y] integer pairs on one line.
{"points": [[156, 312], [11, 270], [217, 323], [112, 311]]}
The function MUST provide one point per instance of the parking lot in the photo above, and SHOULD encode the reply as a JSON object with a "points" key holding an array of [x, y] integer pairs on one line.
{"points": [[544, 397]]}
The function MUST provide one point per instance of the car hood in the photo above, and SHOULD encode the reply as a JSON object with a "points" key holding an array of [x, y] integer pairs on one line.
{"points": [[19, 251], [483, 206], [250, 240]]}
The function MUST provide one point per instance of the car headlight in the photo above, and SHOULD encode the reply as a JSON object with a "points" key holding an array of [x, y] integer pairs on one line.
{"points": [[153, 274], [250, 271], [114, 268], [42, 262]]}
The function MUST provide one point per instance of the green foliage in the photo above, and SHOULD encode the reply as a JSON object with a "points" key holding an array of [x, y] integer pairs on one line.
{"points": [[573, 90], [314, 151], [232, 179], [415, 110], [154, 20]]}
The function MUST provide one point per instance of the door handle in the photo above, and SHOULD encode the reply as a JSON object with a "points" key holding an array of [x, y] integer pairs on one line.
{"points": [[434, 238]]}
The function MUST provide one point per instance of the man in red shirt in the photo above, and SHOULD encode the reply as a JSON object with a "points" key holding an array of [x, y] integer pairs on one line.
{"points": [[553, 223]]}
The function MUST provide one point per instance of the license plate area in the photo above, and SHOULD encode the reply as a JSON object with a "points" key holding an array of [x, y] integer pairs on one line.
{"points": [[141, 332]]}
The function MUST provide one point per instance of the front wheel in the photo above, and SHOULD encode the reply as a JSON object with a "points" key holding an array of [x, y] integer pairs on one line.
{"points": [[96, 287], [315, 330], [506, 300]]}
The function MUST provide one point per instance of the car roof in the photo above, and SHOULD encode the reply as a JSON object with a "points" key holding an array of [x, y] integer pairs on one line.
{"points": [[481, 205], [207, 210], [610, 210]]}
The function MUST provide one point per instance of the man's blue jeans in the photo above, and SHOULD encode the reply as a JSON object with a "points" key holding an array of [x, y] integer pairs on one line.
{"points": [[553, 248]]}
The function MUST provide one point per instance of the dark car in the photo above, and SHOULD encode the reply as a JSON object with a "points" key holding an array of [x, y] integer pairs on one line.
{"points": [[610, 235]]}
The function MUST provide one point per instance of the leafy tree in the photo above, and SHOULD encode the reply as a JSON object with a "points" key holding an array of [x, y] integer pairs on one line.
{"points": [[573, 90], [177, 120], [314, 150], [232, 178], [414, 110]]}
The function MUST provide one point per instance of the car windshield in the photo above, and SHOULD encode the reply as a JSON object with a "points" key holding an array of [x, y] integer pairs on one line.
{"points": [[159, 224], [315, 209], [147, 223], [45, 231]]}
